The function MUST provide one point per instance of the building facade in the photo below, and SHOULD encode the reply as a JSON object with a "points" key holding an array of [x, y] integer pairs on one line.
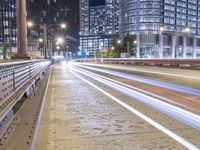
{"points": [[8, 31], [112, 16], [98, 25], [97, 20], [84, 17], [162, 28]]}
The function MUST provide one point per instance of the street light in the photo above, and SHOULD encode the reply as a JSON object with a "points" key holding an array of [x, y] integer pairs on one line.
{"points": [[112, 48], [58, 47], [63, 26], [160, 45], [60, 40], [40, 40], [187, 29], [162, 29], [119, 41], [30, 24]]}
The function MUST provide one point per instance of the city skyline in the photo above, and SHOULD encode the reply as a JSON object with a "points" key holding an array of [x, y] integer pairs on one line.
{"points": [[99, 74], [160, 29]]}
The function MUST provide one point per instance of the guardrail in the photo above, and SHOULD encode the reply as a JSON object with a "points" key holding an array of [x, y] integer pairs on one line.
{"points": [[15, 79], [152, 62]]}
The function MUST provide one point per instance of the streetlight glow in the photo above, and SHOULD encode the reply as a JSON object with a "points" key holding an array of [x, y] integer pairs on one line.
{"points": [[40, 40], [187, 29], [30, 24], [63, 25], [112, 48], [60, 40], [58, 47], [162, 29], [119, 41]]}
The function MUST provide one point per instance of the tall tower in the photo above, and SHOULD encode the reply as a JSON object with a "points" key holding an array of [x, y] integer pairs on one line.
{"points": [[84, 17], [162, 28], [112, 16], [8, 32]]}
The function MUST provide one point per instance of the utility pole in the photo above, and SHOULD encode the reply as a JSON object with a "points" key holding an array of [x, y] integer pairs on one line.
{"points": [[128, 47], [50, 47], [21, 30], [45, 41], [45, 34]]}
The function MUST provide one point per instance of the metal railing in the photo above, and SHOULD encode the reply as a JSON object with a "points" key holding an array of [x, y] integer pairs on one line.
{"points": [[143, 61], [15, 79]]}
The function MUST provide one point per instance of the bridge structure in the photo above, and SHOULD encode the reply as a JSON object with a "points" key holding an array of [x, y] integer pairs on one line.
{"points": [[95, 104], [17, 79], [149, 62]]}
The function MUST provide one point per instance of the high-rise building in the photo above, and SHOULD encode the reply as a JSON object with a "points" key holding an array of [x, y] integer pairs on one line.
{"points": [[8, 23], [84, 17], [97, 20], [112, 16], [8, 32], [98, 25], [162, 29]]}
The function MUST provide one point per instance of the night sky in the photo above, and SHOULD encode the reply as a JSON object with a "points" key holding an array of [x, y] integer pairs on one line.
{"points": [[97, 2]]}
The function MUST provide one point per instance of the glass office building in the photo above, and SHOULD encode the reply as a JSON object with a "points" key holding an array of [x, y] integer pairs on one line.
{"points": [[112, 16], [98, 25], [97, 20], [84, 17], [162, 28]]}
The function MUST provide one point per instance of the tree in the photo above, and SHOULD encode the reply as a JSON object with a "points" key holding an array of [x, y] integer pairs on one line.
{"points": [[5, 48]]}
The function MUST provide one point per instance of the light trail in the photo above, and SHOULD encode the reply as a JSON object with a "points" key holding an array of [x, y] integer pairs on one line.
{"points": [[141, 115], [139, 90], [184, 116], [178, 88], [143, 71]]}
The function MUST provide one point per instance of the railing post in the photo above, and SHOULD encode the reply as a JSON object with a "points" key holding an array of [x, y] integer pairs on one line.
{"points": [[13, 72], [30, 71]]}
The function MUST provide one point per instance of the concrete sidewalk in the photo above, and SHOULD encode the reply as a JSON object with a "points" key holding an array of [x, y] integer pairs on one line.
{"points": [[78, 117]]}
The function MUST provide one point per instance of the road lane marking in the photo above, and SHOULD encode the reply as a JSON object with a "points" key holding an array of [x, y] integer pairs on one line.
{"points": [[137, 89], [142, 70], [144, 117], [178, 88], [186, 117]]}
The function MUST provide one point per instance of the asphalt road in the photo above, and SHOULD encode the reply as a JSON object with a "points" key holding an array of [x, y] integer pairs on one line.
{"points": [[90, 107]]}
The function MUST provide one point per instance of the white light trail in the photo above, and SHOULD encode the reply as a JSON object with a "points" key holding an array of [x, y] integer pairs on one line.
{"points": [[141, 70], [144, 117], [186, 117], [137, 89], [178, 88]]}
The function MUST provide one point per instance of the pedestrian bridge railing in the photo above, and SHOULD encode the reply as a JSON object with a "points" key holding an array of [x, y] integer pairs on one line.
{"points": [[142, 61], [16, 79]]}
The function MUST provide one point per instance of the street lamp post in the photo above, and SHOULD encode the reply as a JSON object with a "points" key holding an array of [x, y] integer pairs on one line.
{"points": [[138, 45], [175, 42], [21, 30], [47, 50], [186, 30], [128, 47], [160, 50]]}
